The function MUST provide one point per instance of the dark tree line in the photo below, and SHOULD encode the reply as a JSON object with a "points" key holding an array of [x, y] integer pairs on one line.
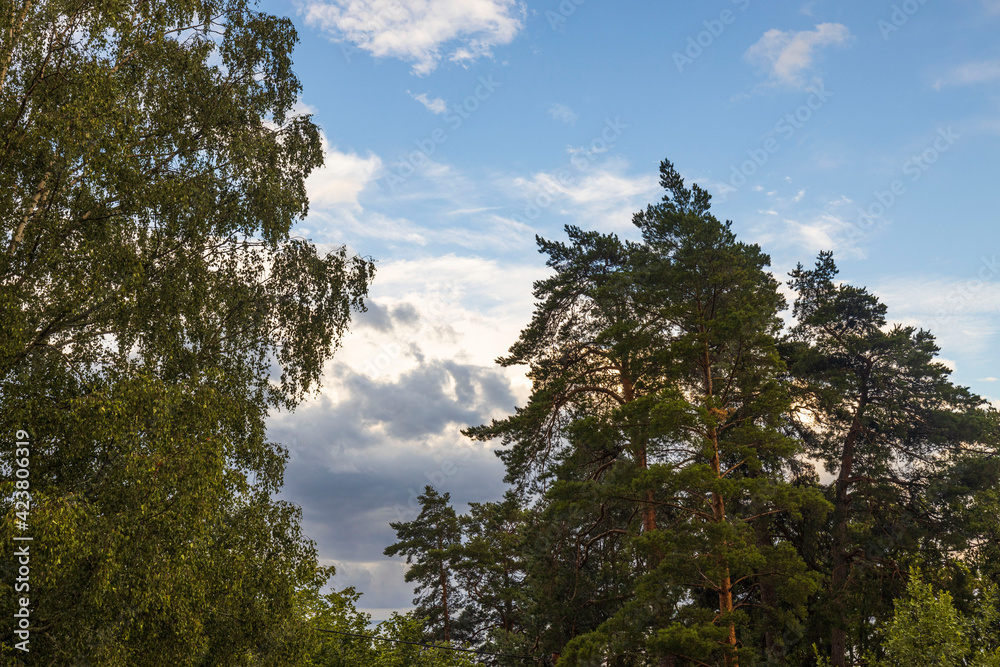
{"points": [[666, 507]]}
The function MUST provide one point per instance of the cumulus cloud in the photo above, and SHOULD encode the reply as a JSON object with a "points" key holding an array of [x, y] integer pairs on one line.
{"points": [[563, 114], [787, 55], [341, 178], [374, 420], [416, 369], [421, 31], [386, 318], [436, 105]]}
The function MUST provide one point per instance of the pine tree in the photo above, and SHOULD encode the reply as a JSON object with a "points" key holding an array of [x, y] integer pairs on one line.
{"points": [[882, 414], [432, 546], [490, 571], [657, 393]]}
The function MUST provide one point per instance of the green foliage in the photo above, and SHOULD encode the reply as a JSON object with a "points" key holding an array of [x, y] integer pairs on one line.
{"points": [[655, 436], [676, 519], [490, 570], [391, 643], [154, 309], [334, 611], [409, 629], [910, 449], [432, 546], [927, 629]]}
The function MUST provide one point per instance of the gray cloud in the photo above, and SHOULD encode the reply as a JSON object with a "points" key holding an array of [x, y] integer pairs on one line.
{"points": [[376, 317], [385, 319], [406, 313], [427, 399], [358, 463]]}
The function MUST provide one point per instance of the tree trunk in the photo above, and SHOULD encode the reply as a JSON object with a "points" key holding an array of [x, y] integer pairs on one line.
{"points": [[774, 647], [719, 512], [725, 587], [841, 541], [444, 604], [649, 511]]}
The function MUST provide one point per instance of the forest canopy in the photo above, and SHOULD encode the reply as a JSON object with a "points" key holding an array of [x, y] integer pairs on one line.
{"points": [[697, 481]]}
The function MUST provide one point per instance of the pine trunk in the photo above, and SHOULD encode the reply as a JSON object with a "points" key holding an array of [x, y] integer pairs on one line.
{"points": [[725, 587], [719, 510], [769, 598], [841, 541], [444, 604]]}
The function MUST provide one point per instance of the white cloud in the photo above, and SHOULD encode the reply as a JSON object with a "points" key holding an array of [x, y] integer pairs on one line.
{"points": [[827, 229], [963, 314], [350, 226], [992, 6], [437, 105], [947, 363], [490, 232], [982, 71], [563, 114], [787, 55], [341, 178], [944, 297], [415, 369], [823, 232], [602, 195], [420, 31], [300, 108]]}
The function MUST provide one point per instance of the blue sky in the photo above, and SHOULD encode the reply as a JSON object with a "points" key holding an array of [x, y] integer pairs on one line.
{"points": [[456, 130]]}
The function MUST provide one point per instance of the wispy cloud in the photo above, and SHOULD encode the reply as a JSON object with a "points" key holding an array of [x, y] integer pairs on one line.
{"points": [[981, 71], [563, 113], [604, 195], [787, 55], [437, 105], [961, 313], [420, 32], [787, 228]]}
